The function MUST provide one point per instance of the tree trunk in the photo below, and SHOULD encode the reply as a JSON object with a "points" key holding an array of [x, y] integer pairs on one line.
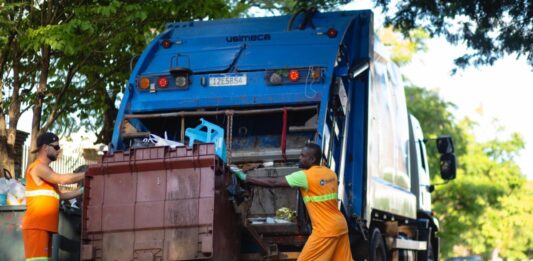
{"points": [[7, 160], [38, 102], [110, 114], [8, 134]]}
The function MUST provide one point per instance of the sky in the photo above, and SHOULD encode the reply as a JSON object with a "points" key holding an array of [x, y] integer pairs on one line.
{"points": [[498, 95], [494, 96]]}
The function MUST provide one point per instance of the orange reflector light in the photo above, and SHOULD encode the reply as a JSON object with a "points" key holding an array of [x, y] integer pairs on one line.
{"points": [[315, 74], [144, 83], [294, 75], [166, 43], [163, 82]]}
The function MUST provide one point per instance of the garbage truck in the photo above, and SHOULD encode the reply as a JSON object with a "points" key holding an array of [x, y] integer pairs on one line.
{"points": [[252, 92]]}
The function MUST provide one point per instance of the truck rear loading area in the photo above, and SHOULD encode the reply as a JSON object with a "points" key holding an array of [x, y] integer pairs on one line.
{"points": [[252, 92]]}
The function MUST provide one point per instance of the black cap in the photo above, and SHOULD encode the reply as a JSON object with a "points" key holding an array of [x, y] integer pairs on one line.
{"points": [[45, 139]]}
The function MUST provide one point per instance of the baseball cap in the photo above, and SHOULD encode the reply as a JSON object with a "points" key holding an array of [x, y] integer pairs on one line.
{"points": [[45, 139]]}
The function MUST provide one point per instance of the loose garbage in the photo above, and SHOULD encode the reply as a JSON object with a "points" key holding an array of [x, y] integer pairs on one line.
{"points": [[286, 214], [283, 216], [12, 192], [159, 141]]}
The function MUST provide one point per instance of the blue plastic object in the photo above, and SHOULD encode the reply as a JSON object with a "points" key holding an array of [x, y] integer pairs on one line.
{"points": [[3, 199], [213, 134]]}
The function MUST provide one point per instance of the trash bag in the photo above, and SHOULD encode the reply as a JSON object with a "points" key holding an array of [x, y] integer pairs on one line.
{"points": [[4, 186], [158, 141], [17, 189]]}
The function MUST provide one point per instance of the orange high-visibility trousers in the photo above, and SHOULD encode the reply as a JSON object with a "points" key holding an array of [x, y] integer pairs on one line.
{"points": [[326, 249], [37, 244]]}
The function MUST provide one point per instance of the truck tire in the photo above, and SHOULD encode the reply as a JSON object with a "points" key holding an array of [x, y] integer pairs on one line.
{"points": [[378, 250], [430, 253]]}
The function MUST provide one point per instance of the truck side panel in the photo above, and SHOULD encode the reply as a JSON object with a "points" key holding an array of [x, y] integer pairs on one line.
{"points": [[388, 145]]}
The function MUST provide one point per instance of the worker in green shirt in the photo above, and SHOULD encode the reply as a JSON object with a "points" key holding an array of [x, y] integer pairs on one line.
{"points": [[318, 186]]}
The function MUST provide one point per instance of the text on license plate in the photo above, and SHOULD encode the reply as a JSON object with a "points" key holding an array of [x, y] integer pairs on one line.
{"points": [[232, 79]]}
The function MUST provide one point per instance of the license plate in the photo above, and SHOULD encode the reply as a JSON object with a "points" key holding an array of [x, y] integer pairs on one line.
{"points": [[229, 79]]}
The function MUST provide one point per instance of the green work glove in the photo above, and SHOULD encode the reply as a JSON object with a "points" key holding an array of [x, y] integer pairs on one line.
{"points": [[240, 174]]}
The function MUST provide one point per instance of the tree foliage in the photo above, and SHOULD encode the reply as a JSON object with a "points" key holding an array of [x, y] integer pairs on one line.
{"points": [[403, 49], [482, 209], [491, 29], [284, 6], [69, 60]]}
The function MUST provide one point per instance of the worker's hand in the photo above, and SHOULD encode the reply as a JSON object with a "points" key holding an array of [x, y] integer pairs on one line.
{"points": [[238, 172]]}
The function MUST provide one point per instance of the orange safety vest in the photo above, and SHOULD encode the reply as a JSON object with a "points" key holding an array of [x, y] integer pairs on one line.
{"points": [[321, 201], [42, 204]]}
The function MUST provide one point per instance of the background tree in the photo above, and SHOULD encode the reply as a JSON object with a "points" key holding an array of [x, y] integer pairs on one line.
{"points": [[68, 60], [491, 29], [471, 208], [483, 210]]}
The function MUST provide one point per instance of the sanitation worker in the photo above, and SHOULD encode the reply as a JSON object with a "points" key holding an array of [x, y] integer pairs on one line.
{"points": [[42, 198], [318, 186]]}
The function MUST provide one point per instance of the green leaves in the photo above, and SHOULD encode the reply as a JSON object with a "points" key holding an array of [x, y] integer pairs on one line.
{"points": [[491, 29], [489, 205], [404, 49], [91, 45]]}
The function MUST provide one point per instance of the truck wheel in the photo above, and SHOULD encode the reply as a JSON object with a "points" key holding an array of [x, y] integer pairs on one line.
{"points": [[378, 251], [430, 254]]}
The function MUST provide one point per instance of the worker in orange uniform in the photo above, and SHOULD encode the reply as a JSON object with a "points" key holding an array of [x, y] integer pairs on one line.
{"points": [[42, 198], [318, 186]]}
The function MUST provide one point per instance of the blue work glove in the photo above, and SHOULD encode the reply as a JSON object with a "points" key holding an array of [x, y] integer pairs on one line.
{"points": [[238, 172]]}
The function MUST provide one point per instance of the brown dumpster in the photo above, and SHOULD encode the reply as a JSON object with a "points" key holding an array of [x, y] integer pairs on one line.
{"points": [[159, 203]]}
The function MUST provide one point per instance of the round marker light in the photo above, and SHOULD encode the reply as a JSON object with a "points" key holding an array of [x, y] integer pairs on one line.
{"points": [[144, 83], [294, 75], [332, 33], [181, 81], [166, 43], [163, 82], [275, 79]]}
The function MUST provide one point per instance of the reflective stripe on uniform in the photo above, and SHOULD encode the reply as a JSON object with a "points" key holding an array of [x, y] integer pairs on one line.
{"points": [[38, 259], [320, 198], [42, 192]]}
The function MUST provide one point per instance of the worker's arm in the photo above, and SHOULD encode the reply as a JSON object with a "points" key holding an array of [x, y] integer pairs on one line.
{"points": [[71, 194], [268, 182], [49, 175], [294, 180]]}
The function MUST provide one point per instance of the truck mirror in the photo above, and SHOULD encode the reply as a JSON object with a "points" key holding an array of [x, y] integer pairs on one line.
{"points": [[445, 144], [448, 166]]}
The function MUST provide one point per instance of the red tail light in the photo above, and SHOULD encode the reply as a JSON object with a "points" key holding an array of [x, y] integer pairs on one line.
{"points": [[163, 82], [332, 33], [166, 43], [294, 75]]}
